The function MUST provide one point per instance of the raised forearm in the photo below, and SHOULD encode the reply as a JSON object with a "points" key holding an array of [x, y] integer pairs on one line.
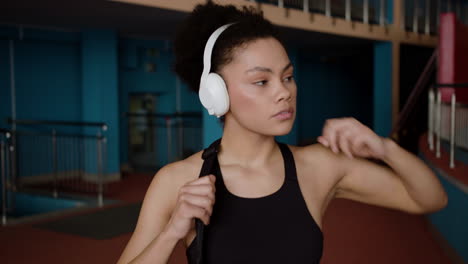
{"points": [[420, 181]]}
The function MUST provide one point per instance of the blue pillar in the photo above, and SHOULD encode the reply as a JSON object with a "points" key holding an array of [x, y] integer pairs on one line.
{"points": [[383, 88], [100, 89], [389, 11]]}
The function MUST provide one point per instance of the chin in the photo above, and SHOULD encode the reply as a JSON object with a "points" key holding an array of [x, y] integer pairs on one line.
{"points": [[282, 133], [281, 130]]}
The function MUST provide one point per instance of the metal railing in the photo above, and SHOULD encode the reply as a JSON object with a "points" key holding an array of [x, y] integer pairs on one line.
{"points": [[5, 165], [53, 157], [421, 16], [422, 85], [366, 11], [449, 122], [158, 139]]}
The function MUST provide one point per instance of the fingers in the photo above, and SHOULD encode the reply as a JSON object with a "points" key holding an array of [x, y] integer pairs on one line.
{"points": [[208, 179], [322, 140], [207, 190], [345, 142], [332, 136], [202, 186], [196, 198], [346, 135], [190, 211], [199, 201]]}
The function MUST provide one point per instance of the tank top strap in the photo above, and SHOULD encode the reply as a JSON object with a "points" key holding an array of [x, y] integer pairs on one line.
{"points": [[289, 164]]}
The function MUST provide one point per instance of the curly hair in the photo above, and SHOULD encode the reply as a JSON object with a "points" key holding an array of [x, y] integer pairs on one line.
{"points": [[194, 32]]}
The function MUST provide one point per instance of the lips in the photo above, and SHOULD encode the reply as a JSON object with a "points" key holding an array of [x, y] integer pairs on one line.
{"points": [[284, 114]]}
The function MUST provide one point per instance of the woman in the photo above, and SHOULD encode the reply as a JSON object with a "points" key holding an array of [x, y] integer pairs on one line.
{"points": [[267, 200]]}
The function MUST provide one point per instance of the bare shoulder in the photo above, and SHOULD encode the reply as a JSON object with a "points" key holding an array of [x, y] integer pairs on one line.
{"points": [[318, 171], [166, 183], [313, 151], [318, 162], [180, 172], [159, 202], [316, 156]]}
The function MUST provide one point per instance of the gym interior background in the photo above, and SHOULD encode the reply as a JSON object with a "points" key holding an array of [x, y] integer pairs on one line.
{"points": [[90, 109]]}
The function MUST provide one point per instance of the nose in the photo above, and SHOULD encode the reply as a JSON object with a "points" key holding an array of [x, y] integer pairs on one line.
{"points": [[284, 92]]}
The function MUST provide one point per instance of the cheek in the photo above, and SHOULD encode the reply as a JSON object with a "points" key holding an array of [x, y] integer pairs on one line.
{"points": [[245, 99]]}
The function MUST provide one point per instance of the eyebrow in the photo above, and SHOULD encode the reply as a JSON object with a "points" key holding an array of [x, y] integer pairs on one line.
{"points": [[265, 69]]}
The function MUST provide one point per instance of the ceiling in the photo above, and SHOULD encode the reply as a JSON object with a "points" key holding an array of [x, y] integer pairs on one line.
{"points": [[130, 19], [82, 14]]}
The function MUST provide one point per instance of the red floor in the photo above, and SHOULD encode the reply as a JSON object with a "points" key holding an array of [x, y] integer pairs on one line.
{"points": [[354, 233]]}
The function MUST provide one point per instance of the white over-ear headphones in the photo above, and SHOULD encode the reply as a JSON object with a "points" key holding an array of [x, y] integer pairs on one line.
{"points": [[213, 93]]}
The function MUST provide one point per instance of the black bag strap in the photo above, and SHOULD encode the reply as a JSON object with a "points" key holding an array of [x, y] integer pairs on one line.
{"points": [[209, 155]]}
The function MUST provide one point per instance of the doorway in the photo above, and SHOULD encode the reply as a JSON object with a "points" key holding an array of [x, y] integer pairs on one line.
{"points": [[141, 130]]}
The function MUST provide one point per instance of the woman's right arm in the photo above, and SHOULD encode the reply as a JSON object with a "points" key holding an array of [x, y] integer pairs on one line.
{"points": [[167, 215]]}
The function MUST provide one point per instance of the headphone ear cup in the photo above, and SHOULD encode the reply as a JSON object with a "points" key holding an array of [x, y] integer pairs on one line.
{"points": [[218, 99]]}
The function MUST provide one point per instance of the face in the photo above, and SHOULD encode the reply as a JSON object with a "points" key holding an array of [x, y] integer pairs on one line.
{"points": [[261, 88]]}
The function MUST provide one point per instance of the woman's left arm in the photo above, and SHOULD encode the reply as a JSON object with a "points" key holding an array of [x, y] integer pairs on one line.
{"points": [[407, 184]]}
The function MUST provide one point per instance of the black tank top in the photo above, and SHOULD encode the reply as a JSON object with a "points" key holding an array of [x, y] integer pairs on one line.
{"points": [[276, 228]]}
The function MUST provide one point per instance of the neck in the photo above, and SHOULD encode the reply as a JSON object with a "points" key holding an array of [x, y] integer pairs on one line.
{"points": [[240, 146]]}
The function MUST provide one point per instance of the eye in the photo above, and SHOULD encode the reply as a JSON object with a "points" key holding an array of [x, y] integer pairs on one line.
{"points": [[261, 83], [289, 78]]}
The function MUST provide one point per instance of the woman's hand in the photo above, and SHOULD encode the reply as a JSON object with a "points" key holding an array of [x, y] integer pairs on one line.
{"points": [[195, 200], [353, 138]]}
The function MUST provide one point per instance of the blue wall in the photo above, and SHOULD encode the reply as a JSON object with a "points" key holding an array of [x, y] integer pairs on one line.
{"points": [[451, 221], [133, 78], [48, 84], [47, 75], [99, 91], [47, 80], [383, 88], [87, 76], [333, 86], [49, 71]]}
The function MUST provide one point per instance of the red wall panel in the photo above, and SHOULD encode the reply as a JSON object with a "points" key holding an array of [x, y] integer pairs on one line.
{"points": [[453, 57]]}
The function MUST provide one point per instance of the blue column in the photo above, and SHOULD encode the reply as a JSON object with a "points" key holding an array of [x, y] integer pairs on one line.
{"points": [[389, 11], [100, 88], [383, 88]]}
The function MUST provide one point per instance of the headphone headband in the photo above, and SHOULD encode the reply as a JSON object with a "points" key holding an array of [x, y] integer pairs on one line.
{"points": [[209, 49], [213, 93]]}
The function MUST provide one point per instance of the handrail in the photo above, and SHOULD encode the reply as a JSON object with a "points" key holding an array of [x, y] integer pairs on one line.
{"points": [[421, 85], [30, 133], [63, 135], [187, 114], [454, 85], [55, 122]]}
